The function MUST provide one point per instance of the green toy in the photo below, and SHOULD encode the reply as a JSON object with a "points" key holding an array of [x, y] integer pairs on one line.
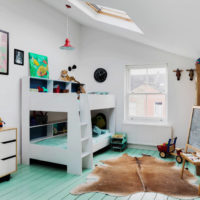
{"points": [[119, 141], [45, 89], [100, 121]]}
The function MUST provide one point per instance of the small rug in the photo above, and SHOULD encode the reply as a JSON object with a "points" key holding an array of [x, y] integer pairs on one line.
{"points": [[127, 175]]}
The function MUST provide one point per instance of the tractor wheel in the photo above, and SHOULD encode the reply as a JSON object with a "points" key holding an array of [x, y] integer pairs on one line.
{"points": [[179, 159], [162, 154]]}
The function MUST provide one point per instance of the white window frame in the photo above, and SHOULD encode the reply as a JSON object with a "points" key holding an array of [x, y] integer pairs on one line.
{"points": [[127, 93]]}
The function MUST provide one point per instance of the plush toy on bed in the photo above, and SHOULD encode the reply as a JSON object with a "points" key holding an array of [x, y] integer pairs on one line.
{"points": [[65, 77], [96, 131], [100, 121]]}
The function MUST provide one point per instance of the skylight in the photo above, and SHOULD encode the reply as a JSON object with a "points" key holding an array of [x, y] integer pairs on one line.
{"points": [[110, 12], [105, 15]]}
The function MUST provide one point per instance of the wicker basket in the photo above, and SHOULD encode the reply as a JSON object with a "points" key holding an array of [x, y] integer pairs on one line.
{"points": [[198, 170]]}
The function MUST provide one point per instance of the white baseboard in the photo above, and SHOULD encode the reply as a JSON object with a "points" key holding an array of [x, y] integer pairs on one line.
{"points": [[140, 146]]}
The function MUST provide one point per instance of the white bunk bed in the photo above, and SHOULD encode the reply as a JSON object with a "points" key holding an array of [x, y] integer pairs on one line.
{"points": [[105, 104], [74, 148]]}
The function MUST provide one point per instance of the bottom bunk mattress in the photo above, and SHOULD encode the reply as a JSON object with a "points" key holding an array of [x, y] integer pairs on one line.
{"points": [[61, 140], [58, 141]]}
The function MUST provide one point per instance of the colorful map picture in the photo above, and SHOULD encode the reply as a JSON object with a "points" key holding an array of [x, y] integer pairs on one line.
{"points": [[38, 66], [3, 52]]}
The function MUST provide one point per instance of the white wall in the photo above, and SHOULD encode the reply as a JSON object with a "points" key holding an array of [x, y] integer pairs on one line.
{"points": [[33, 27], [100, 49]]}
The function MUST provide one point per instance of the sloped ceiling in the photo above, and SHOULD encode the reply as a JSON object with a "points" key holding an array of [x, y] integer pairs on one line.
{"points": [[170, 25]]}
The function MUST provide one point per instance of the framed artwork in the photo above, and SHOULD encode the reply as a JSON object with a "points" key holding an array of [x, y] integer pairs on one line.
{"points": [[38, 66], [4, 52], [18, 57]]}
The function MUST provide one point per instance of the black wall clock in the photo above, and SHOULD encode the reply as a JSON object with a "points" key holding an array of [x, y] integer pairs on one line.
{"points": [[100, 75]]}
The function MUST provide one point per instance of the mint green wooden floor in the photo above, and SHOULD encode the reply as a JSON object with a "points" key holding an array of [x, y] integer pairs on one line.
{"points": [[38, 182]]}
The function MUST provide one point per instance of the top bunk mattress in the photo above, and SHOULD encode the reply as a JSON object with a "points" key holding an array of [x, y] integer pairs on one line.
{"points": [[60, 141]]}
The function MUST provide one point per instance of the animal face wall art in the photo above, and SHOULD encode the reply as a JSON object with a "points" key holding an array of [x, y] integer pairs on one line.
{"points": [[38, 66]]}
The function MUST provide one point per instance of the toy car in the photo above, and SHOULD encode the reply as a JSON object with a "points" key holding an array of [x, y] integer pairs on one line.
{"points": [[170, 149]]}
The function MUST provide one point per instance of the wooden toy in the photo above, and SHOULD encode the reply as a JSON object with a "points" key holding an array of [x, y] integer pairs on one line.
{"points": [[119, 141], [169, 148], [1, 123], [193, 142]]}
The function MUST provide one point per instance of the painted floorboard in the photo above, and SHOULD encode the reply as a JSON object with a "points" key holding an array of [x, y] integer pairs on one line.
{"points": [[39, 182], [137, 196], [123, 198], [149, 196], [85, 196], [161, 197], [171, 198], [16, 184], [108, 197], [33, 186]]}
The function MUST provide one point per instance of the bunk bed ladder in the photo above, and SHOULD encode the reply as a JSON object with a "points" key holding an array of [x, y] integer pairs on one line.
{"points": [[86, 132]]}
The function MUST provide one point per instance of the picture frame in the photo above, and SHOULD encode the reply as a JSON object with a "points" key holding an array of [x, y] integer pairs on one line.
{"points": [[38, 66], [4, 52], [18, 57]]}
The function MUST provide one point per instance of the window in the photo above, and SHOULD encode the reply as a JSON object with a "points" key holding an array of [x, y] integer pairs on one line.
{"points": [[109, 12], [106, 15], [146, 93]]}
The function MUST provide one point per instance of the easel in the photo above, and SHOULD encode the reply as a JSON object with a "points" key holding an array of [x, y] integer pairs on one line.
{"points": [[189, 146]]}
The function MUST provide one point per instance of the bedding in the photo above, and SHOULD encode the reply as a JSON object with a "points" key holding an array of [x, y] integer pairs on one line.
{"points": [[61, 140]]}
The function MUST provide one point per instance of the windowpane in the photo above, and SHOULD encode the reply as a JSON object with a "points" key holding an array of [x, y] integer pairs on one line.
{"points": [[147, 93], [151, 80], [156, 106], [157, 79], [137, 105], [138, 78]]}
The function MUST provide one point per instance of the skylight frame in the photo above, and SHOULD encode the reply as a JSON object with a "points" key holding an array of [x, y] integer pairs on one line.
{"points": [[110, 12]]}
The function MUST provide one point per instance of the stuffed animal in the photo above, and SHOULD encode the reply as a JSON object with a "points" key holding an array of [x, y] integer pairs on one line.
{"points": [[65, 77]]}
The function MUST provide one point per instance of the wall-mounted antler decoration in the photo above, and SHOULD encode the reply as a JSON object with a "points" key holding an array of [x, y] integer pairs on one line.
{"points": [[178, 73], [191, 73]]}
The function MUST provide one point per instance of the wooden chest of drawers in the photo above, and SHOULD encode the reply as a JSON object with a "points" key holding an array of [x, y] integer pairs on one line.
{"points": [[8, 151]]}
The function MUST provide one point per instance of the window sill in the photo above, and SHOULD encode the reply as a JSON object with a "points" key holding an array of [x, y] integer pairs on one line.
{"points": [[163, 124]]}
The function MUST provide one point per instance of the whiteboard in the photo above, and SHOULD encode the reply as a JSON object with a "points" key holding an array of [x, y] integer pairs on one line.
{"points": [[194, 136]]}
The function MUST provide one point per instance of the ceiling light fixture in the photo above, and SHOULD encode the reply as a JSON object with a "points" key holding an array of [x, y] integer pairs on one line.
{"points": [[67, 45]]}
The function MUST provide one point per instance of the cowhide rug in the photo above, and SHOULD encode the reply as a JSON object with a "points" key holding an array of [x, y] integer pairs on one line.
{"points": [[127, 175]]}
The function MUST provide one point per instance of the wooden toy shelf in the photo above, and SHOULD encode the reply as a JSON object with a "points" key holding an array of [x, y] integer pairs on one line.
{"points": [[50, 85]]}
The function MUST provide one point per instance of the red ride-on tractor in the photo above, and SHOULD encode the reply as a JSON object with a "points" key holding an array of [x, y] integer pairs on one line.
{"points": [[169, 148]]}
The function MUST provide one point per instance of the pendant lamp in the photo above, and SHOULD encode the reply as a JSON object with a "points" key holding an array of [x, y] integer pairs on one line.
{"points": [[67, 45]]}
